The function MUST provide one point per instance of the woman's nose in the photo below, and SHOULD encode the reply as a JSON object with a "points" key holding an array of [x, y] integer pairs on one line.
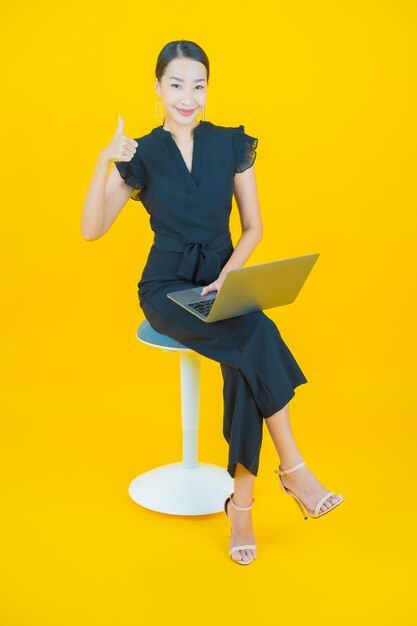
{"points": [[186, 99]]}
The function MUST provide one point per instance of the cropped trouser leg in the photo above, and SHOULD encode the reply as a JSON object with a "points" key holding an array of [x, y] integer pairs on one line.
{"points": [[242, 421], [247, 401]]}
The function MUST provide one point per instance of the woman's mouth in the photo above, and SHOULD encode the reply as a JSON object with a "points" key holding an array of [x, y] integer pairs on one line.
{"points": [[185, 111]]}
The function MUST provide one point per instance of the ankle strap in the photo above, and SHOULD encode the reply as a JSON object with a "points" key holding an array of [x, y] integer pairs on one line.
{"points": [[291, 469], [241, 508]]}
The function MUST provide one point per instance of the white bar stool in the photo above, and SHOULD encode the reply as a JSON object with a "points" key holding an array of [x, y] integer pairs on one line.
{"points": [[187, 487]]}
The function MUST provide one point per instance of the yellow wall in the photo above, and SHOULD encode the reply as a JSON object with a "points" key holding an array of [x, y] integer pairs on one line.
{"points": [[329, 89]]}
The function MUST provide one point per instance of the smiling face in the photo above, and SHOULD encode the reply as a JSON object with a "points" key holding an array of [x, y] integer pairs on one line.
{"points": [[183, 87]]}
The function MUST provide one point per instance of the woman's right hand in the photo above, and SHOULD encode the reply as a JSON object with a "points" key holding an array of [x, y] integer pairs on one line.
{"points": [[121, 148]]}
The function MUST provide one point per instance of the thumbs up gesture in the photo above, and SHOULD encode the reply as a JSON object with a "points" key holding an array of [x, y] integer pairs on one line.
{"points": [[121, 147]]}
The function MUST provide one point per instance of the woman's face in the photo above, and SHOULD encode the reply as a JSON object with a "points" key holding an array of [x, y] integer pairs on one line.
{"points": [[183, 86]]}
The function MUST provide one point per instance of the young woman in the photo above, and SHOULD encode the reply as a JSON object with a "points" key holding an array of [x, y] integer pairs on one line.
{"points": [[185, 174]]}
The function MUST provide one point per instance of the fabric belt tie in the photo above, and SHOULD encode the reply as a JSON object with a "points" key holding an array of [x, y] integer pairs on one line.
{"points": [[195, 254]]}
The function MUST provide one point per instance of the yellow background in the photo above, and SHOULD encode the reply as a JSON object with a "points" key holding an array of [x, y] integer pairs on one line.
{"points": [[329, 89]]}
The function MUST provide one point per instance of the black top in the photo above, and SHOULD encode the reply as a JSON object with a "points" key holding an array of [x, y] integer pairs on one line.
{"points": [[189, 206]]}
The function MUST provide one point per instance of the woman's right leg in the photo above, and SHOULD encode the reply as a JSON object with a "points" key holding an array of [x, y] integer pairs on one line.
{"points": [[242, 428], [241, 521]]}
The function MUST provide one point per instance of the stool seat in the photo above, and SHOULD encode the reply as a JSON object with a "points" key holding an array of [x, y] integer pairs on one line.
{"points": [[188, 487], [149, 335]]}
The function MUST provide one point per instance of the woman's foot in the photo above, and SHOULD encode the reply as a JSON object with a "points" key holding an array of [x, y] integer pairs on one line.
{"points": [[242, 531], [306, 487]]}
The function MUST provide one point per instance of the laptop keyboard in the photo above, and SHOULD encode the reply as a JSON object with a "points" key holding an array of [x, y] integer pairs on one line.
{"points": [[202, 306]]}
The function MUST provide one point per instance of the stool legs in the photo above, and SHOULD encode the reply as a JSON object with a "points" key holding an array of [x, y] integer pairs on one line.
{"points": [[190, 403], [188, 487]]}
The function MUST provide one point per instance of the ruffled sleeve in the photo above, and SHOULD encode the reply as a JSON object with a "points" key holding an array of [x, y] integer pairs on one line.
{"points": [[133, 174], [244, 149]]}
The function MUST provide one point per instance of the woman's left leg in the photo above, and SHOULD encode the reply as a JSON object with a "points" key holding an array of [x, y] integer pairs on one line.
{"points": [[302, 482]]}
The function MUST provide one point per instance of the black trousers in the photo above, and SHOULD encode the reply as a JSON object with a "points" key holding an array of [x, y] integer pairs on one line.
{"points": [[259, 371]]}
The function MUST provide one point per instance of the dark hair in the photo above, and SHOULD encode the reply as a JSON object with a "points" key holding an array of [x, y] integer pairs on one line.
{"points": [[180, 48]]}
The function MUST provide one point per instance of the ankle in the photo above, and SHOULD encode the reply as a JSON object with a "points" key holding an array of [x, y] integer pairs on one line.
{"points": [[291, 460], [242, 501]]}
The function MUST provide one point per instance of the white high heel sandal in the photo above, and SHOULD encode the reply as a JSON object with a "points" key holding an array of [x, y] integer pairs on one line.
{"points": [[313, 514], [247, 546]]}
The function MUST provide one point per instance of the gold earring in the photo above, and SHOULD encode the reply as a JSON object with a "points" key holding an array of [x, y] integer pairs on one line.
{"points": [[159, 112], [203, 117]]}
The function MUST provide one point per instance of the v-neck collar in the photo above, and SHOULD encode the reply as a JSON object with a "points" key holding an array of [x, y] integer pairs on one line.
{"points": [[192, 178]]}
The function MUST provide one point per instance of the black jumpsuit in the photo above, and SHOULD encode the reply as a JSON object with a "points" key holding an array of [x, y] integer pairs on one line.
{"points": [[189, 214]]}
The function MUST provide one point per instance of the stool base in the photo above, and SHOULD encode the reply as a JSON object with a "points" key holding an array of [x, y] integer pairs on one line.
{"points": [[175, 490]]}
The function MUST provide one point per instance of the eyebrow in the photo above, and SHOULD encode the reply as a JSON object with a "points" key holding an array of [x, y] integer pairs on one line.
{"points": [[197, 80]]}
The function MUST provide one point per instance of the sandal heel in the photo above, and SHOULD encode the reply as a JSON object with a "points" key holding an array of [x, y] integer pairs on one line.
{"points": [[305, 513]]}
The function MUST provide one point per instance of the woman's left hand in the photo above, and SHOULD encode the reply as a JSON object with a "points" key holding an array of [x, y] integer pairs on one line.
{"points": [[215, 286]]}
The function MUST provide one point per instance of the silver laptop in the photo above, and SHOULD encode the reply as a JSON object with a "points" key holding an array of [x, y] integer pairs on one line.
{"points": [[248, 289]]}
